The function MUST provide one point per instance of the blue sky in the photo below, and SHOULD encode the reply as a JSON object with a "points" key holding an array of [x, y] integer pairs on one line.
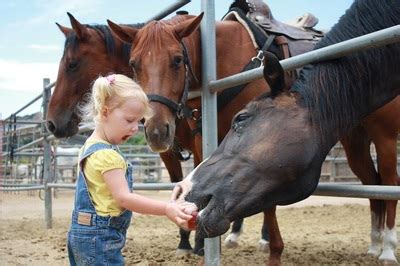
{"points": [[31, 45]]}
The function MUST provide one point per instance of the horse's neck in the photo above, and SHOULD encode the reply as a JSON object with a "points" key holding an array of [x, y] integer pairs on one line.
{"points": [[234, 50], [193, 44]]}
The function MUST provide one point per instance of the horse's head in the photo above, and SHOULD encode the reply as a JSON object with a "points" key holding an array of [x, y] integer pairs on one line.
{"points": [[86, 55], [162, 63], [270, 156]]}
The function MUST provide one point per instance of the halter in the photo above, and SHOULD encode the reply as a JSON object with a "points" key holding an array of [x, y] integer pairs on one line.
{"points": [[180, 109]]}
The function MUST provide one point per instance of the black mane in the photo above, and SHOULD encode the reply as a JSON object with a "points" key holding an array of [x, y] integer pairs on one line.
{"points": [[338, 93], [73, 42]]}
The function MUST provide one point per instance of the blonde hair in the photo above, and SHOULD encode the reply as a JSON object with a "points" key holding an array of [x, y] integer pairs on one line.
{"points": [[111, 91]]}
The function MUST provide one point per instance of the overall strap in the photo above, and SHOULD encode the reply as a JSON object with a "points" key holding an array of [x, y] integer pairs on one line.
{"points": [[97, 147]]}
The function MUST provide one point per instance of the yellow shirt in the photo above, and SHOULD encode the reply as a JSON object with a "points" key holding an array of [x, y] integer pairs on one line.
{"points": [[94, 167]]}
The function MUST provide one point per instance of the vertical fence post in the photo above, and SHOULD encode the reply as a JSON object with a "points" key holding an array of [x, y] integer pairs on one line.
{"points": [[47, 176], [209, 108]]}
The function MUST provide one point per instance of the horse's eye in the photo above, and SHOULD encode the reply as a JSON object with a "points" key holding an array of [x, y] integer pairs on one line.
{"points": [[240, 120], [241, 117], [132, 63], [72, 65], [177, 61]]}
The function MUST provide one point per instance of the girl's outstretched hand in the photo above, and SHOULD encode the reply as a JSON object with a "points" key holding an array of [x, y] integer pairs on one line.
{"points": [[180, 213]]}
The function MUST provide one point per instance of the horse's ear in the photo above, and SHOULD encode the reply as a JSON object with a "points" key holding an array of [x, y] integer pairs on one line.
{"points": [[80, 30], [273, 73], [64, 30], [186, 28], [124, 33]]}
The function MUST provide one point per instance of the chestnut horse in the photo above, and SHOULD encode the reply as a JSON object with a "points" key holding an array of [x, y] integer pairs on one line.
{"points": [[90, 51], [274, 152], [166, 59]]}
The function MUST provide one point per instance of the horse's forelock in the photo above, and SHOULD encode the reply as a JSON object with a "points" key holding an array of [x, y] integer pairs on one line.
{"points": [[151, 36], [72, 41]]}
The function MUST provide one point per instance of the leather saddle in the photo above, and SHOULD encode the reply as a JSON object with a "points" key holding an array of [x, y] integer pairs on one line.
{"points": [[299, 37]]}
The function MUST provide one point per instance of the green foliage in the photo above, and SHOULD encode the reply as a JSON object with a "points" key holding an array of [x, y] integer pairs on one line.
{"points": [[138, 139]]}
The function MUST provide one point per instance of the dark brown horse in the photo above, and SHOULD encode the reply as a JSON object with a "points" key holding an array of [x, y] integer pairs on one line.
{"points": [[90, 51], [166, 58], [276, 146]]}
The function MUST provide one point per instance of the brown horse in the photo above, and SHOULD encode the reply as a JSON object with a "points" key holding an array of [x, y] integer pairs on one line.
{"points": [[167, 62], [90, 51], [166, 59], [276, 146]]}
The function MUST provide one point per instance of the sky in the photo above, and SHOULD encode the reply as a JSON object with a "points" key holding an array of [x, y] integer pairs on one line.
{"points": [[31, 44]]}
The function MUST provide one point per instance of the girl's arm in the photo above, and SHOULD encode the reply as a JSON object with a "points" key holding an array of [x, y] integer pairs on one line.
{"points": [[116, 183]]}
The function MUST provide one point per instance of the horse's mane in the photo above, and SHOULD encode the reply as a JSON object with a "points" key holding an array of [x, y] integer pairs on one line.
{"points": [[104, 31], [152, 33], [338, 92]]}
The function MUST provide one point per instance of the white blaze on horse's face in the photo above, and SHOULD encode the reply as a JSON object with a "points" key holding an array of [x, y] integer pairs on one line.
{"points": [[187, 183]]}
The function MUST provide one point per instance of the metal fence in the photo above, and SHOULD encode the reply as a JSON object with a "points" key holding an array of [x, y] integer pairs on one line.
{"points": [[209, 122]]}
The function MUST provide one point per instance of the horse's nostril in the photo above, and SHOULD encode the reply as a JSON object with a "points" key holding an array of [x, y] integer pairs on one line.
{"points": [[51, 127], [167, 130]]}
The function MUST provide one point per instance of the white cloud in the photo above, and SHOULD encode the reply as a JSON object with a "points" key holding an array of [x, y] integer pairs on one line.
{"points": [[45, 47], [17, 76]]}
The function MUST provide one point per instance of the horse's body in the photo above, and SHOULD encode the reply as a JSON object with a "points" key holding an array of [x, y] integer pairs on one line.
{"points": [[166, 58], [90, 51], [158, 58], [276, 146]]}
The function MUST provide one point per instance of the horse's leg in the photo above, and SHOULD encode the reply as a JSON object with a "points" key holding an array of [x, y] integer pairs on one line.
{"points": [[263, 243], [198, 246], [276, 243], [173, 165], [357, 148], [231, 241], [174, 169], [386, 149]]}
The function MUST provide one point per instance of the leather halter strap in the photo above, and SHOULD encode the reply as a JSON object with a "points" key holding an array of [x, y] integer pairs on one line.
{"points": [[180, 109]]}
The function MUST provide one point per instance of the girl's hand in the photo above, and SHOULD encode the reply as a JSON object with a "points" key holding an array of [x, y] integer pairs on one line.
{"points": [[180, 213]]}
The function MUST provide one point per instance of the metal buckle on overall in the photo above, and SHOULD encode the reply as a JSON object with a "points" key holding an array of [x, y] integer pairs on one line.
{"points": [[260, 57]]}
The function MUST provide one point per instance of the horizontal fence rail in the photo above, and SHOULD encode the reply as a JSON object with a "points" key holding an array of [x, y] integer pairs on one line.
{"points": [[169, 10], [323, 189], [368, 41]]}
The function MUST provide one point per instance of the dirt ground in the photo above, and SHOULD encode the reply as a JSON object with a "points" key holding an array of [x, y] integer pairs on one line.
{"points": [[316, 231]]}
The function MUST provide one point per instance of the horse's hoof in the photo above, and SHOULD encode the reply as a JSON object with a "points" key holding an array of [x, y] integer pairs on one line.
{"points": [[388, 263], [263, 245], [231, 244], [231, 241], [374, 251], [387, 257], [183, 252]]}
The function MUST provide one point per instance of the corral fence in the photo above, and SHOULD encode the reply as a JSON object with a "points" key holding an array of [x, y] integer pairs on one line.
{"points": [[209, 122]]}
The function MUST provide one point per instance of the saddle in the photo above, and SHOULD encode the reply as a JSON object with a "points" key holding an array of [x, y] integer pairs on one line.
{"points": [[295, 39]]}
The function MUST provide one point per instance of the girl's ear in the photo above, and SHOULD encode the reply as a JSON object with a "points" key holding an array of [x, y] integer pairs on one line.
{"points": [[104, 112]]}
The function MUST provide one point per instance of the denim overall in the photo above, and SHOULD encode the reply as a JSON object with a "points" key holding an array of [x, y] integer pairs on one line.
{"points": [[94, 239]]}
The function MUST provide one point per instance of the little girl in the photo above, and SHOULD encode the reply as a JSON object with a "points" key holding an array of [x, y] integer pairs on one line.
{"points": [[103, 199]]}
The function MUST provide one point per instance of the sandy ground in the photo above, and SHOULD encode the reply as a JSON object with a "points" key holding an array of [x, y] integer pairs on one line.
{"points": [[316, 231]]}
